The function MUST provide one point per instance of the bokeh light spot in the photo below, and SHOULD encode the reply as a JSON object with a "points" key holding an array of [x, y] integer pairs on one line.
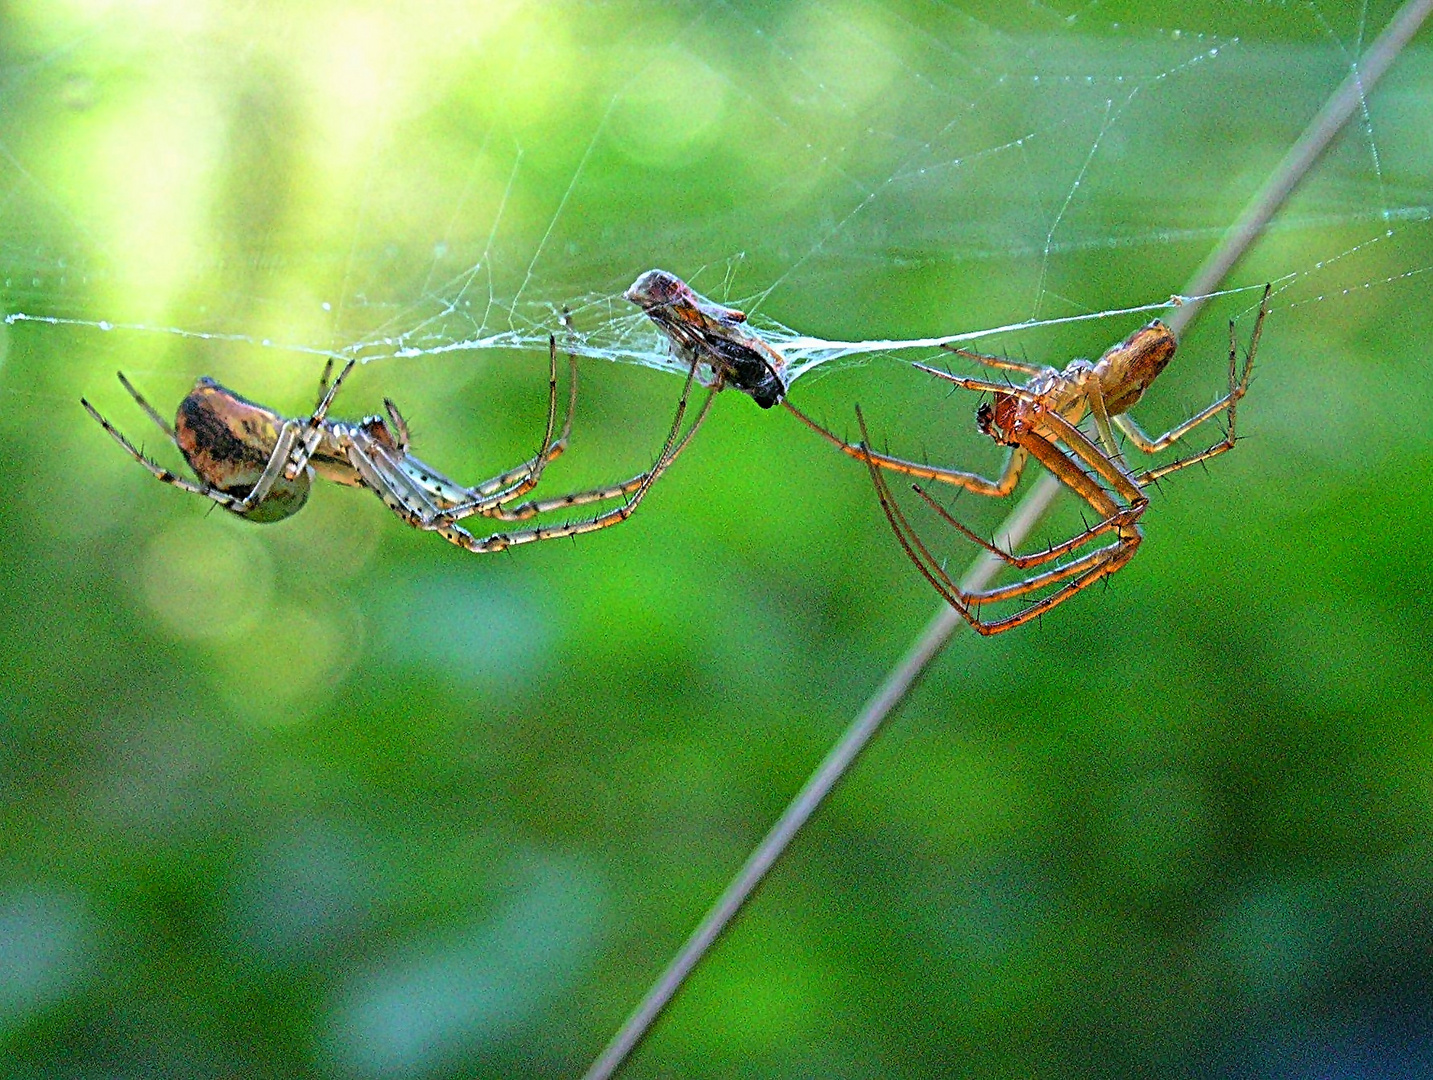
{"points": [[207, 581], [42, 946], [671, 114], [428, 1005]]}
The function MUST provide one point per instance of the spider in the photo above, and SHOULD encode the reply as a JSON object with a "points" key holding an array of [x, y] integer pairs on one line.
{"points": [[259, 465], [701, 331], [1034, 420]]}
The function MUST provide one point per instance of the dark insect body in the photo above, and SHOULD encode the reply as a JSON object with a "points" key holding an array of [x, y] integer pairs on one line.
{"points": [[703, 332]]}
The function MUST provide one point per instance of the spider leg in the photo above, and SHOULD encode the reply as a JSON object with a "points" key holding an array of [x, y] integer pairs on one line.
{"points": [[1102, 564], [1002, 362], [400, 426], [301, 448], [1004, 485], [965, 603], [1067, 470], [442, 491], [399, 491], [1024, 562], [285, 460], [1085, 570], [159, 472], [388, 476], [323, 380], [407, 486], [1090, 568], [912, 544], [461, 502], [531, 509], [149, 409], [497, 507], [500, 541], [1063, 572], [401, 494], [981, 385], [1071, 475], [1238, 386], [1101, 417], [273, 468]]}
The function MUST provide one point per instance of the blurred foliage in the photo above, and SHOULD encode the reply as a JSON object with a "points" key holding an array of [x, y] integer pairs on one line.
{"points": [[333, 798]]}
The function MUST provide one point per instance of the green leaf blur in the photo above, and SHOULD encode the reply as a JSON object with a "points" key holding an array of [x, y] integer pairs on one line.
{"points": [[332, 798]]}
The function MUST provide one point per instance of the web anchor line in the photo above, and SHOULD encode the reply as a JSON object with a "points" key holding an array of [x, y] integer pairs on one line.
{"points": [[1295, 165]]}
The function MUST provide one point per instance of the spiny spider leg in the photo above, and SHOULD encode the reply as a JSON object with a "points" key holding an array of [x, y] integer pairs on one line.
{"points": [[159, 472], [911, 542], [149, 409], [1238, 387], [1009, 473], [1067, 468], [1002, 362], [551, 449], [399, 491], [1031, 584], [499, 541], [980, 385], [1069, 471], [457, 502], [1101, 564], [408, 487], [1114, 518], [1090, 568], [1075, 567], [1023, 562], [1060, 463]]}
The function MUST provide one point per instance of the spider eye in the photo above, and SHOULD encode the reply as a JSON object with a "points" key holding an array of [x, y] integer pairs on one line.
{"points": [[985, 418]]}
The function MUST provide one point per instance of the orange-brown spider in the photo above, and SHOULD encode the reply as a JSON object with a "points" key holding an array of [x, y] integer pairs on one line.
{"points": [[1040, 420], [258, 464]]}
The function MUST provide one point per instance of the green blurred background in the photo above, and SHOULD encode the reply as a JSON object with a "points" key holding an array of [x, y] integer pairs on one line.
{"points": [[332, 798]]}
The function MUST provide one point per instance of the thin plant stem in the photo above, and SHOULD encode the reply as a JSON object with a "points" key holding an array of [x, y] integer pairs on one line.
{"points": [[903, 677], [837, 762]]}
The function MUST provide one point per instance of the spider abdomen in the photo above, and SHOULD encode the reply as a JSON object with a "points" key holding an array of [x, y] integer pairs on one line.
{"points": [[228, 440]]}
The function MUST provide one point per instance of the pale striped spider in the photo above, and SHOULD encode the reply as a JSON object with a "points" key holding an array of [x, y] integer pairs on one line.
{"points": [[1040, 420], [258, 464]]}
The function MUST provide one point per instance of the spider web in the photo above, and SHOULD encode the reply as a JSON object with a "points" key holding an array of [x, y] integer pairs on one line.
{"points": [[959, 143]]}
